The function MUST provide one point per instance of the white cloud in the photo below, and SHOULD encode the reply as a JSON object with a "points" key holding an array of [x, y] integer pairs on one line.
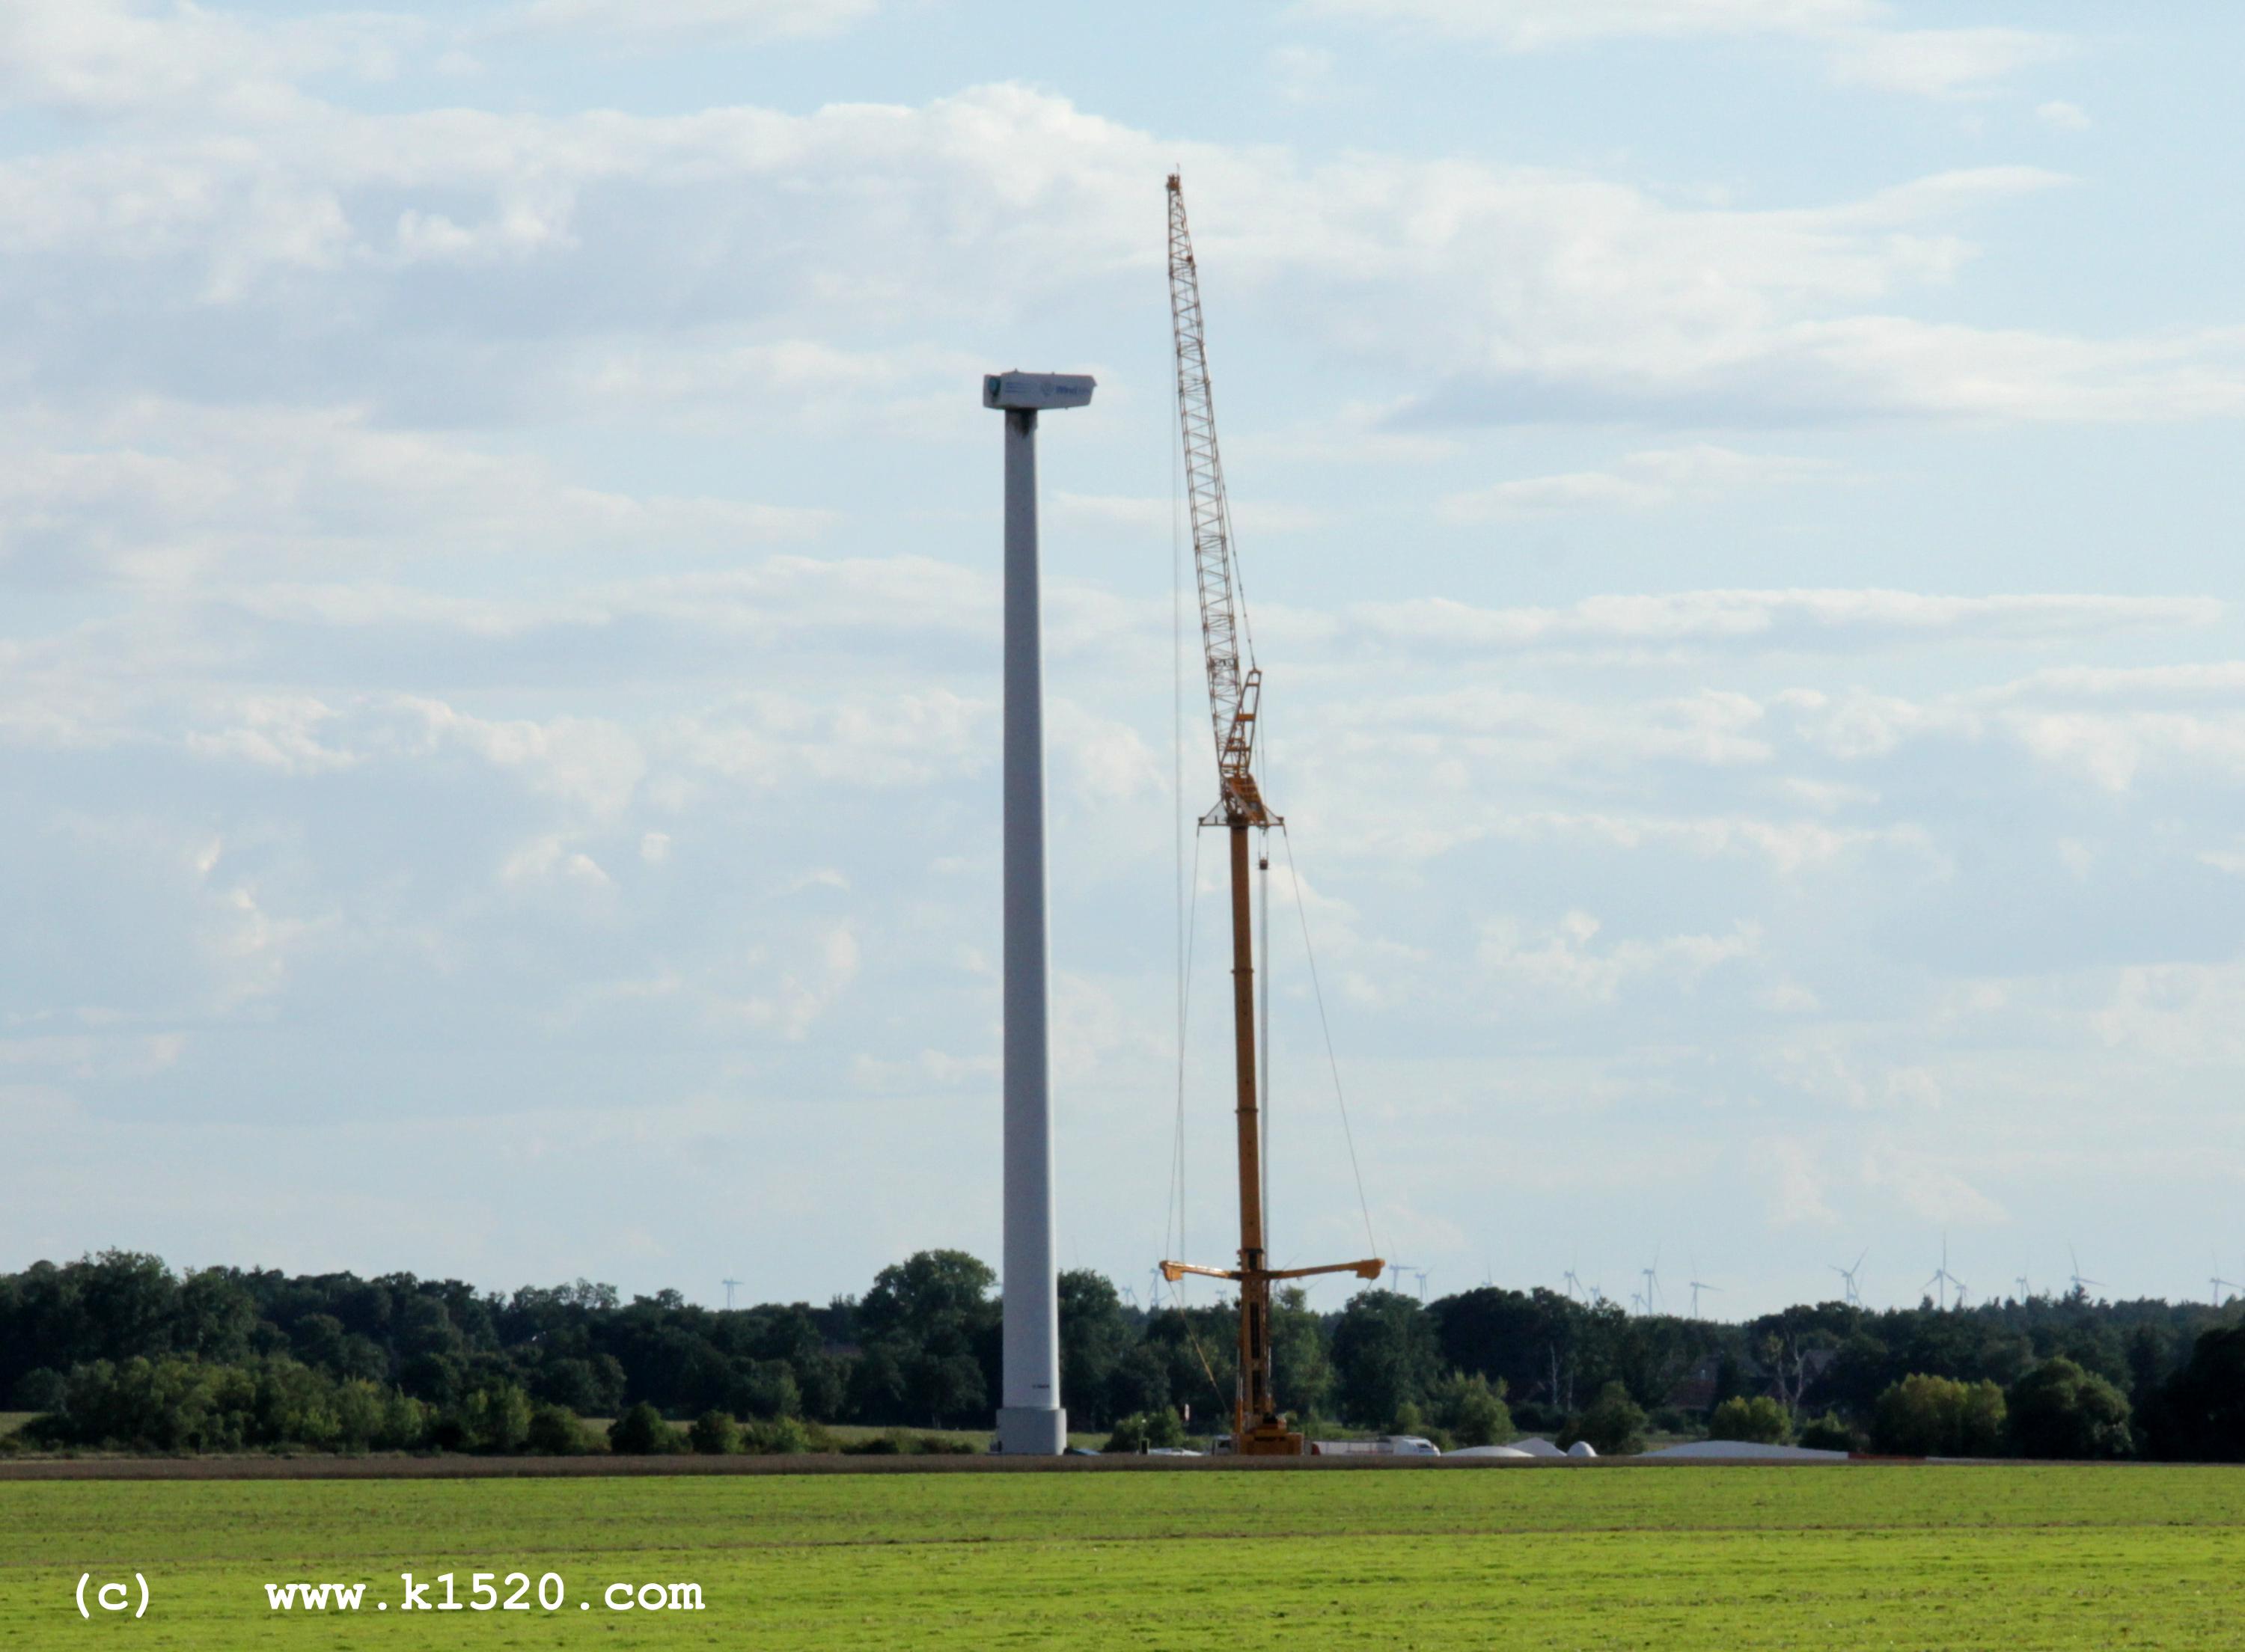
{"points": [[806, 991], [1929, 1187], [1530, 25], [1644, 481], [169, 493], [1152, 516], [1304, 74], [1800, 1189], [665, 21], [2065, 116], [996, 201], [1780, 619], [135, 56], [1944, 62], [548, 860], [1564, 958], [1858, 35]]}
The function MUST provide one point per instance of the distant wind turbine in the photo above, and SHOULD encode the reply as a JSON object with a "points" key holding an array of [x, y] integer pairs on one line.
{"points": [[1696, 1287], [2080, 1285], [730, 1284], [1852, 1297], [1943, 1279]]}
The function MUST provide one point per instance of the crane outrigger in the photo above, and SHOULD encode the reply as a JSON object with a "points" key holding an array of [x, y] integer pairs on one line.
{"points": [[1235, 691]]}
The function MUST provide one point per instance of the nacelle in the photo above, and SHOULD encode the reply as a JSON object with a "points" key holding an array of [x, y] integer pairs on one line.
{"points": [[1029, 392]]}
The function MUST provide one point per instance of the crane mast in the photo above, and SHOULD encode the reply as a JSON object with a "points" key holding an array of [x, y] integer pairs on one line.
{"points": [[1235, 689]]}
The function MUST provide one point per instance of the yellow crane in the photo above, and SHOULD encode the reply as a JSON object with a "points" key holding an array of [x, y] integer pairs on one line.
{"points": [[1235, 690]]}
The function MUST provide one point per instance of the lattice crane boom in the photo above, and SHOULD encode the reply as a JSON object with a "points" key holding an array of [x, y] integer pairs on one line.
{"points": [[1234, 684], [1235, 689]]}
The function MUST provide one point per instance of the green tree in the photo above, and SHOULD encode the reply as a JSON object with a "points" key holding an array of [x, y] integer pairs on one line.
{"points": [[1469, 1411], [934, 1299], [2200, 1413], [1140, 1382], [1613, 1423], [492, 1417], [1927, 1416], [767, 1388], [554, 1431], [1828, 1433], [1384, 1356], [1094, 1335], [878, 1391], [1760, 1421], [640, 1432], [38, 1389], [1301, 1370], [1198, 1348], [946, 1389], [1141, 1429], [218, 1318], [775, 1437], [2057, 1410], [715, 1434]]}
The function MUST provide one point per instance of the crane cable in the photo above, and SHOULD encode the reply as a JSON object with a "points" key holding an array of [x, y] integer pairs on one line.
{"points": [[1186, 899], [1324, 1026]]}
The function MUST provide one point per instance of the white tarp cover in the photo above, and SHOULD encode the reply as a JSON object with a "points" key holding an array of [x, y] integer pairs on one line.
{"points": [[1740, 1450]]}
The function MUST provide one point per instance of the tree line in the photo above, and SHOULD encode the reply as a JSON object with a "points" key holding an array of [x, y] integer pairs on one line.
{"points": [[119, 1349]]}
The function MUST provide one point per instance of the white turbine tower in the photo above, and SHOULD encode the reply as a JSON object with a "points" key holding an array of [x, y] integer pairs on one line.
{"points": [[1651, 1276], [1851, 1296], [2220, 1285], [2080, 1285], [1696, 1287], [1030, 1418], [1943, 1279]]}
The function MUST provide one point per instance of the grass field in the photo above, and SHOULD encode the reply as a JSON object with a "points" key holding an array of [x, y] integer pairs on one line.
{"points": [[2005, 1557]]}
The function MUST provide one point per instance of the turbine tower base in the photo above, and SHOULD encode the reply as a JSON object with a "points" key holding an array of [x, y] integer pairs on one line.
{"points": [[1032, 1431]]}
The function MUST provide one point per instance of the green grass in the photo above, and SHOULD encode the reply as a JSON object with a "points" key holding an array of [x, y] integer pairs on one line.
{"points": [[11, 1421], [1825, 1558]]}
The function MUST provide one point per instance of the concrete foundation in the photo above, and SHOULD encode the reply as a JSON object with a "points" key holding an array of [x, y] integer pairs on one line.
{"points": [[1033, 1431]]}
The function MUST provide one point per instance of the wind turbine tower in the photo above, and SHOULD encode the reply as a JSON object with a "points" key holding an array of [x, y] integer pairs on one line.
{"points": [[1943, 1279], [2080, 1285], [730, 1284], [1850, 1295], [1696, 1287], [1030, 1420]]}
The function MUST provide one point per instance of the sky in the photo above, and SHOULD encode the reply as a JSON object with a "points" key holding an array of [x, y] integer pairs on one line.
{"points": [[499, 634]]}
